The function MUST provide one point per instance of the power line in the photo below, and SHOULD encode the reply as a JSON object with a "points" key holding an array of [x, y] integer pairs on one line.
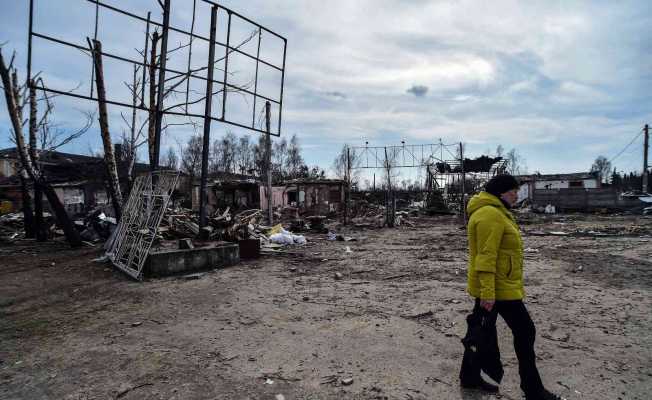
{"points": [[625, 148]]}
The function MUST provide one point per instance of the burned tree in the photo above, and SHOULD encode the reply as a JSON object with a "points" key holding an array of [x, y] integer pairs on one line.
{"points": [[27, 164], [109, 156]]}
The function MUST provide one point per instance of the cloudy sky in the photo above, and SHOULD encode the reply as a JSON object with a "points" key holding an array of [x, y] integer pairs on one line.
{"points": [[560, 81]]}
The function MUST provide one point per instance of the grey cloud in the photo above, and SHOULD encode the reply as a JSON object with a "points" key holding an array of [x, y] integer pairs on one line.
{"points": [[336, 94], [418, 90]]}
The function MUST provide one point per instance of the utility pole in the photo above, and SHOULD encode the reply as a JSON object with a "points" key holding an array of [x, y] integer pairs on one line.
{"points": [[646, 130], [268, 162], [462, 186], [208, 104], [347, 194]]}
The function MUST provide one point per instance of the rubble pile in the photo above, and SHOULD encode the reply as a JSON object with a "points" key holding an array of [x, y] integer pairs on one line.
{"points": [[181, 223], [11, 227]]}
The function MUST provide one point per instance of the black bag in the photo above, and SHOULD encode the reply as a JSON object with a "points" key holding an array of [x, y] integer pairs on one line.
{"points": [[481, 344]]}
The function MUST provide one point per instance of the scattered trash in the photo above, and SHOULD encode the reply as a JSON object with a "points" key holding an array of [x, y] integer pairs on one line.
{"points": [[284, 237], [347, 381], [347, 249], [550, 209], [269, 381], [280, 397], [135, 324], [338, 276]]}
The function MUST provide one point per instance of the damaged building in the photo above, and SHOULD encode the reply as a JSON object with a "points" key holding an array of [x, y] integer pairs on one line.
{"points": [[78, 180], [311, 196]]}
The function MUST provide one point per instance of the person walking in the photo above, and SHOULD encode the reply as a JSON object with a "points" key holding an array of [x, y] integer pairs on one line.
{"points": [[495, 280]]}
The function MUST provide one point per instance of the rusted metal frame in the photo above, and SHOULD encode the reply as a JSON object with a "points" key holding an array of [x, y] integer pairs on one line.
{"points": [[243, 18], [97, 22], [208, 103], [280, 107], [117, 103], [194, 35], [253, 114], [192, 31], [145, 64], [226, 64]]}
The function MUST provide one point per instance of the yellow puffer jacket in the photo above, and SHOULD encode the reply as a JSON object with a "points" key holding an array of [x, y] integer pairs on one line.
{"points": [[495, 250]]}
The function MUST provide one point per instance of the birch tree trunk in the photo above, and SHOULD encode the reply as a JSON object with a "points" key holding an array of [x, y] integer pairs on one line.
{"points": [[109, 155], [39, 225], [28, 216]]}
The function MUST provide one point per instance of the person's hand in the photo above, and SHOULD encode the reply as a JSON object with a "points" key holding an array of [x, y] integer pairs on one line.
{"points": [[487, 304]]}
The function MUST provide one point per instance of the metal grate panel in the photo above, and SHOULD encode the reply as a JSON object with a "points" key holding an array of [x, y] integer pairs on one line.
{"points": [[141, 217]]}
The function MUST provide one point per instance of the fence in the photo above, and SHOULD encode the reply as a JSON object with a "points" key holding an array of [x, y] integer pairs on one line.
{"points": [[580, 199]]}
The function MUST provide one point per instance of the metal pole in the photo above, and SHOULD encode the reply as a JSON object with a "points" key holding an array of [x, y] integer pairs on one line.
{"points": [[347, 194], [142, 84], [207, 120], [161, 84], [226, 64], [268, 162], [463, 184], [646, 129], [29, 43]]}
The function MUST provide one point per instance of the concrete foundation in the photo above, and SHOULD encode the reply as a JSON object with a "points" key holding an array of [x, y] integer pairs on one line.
{"points": [[176, 261]]}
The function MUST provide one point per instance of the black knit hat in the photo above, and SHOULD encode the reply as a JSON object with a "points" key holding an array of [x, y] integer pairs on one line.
{"points": [[500, 184]]}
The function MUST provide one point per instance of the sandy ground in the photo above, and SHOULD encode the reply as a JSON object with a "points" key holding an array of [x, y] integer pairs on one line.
{"points": [[282, 326]]}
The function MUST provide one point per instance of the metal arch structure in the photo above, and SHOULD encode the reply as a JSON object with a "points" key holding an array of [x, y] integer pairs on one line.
{"points": [[403, 156], [445, 170], [173, 78], [390, 157]]}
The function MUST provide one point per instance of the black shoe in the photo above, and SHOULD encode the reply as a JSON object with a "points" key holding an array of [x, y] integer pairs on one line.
{"points": [[480, 385], [544, 395]]}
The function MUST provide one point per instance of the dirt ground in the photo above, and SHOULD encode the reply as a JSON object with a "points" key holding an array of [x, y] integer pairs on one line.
{"points": [[283, 326]]}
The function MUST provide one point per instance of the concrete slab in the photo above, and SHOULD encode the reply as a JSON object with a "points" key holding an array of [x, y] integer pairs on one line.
{"points": [[182, 261]]}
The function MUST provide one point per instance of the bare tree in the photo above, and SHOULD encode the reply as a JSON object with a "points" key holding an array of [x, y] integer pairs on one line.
{"points": [[244, 155], [602, 167], [515, 163], [191, 159], [133, 137], [340, 164], [294, 161], [259, 153], [279, 155], [500, 151], [171, 159], [14, 108]]}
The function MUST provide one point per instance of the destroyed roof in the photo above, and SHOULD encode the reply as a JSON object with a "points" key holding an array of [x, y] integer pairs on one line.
{"points": [[557, 177], [221, 177], [66, 167], [60, 158], [308, 181], [52, 156]]}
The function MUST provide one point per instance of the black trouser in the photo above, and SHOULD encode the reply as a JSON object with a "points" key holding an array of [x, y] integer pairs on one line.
{"points": [[518, 320]]}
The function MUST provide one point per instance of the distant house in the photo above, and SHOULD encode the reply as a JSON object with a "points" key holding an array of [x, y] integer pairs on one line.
{"points": [[578, 180]]}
